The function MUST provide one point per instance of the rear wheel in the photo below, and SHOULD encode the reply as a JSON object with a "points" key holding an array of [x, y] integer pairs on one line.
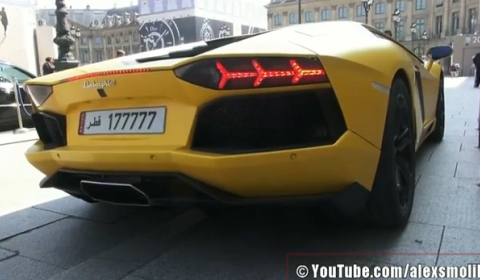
{"points": [[437, 134], [391, 199]]}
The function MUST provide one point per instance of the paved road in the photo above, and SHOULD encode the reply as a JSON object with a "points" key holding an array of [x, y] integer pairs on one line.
{"points": [[68, 239]]}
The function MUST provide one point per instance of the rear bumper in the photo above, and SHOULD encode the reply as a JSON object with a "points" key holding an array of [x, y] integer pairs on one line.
{"points": [[155, 189], [296, 172]]}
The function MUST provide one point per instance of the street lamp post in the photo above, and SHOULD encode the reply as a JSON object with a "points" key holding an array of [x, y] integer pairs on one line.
{"points": [[424, 39], [63, 40], [367, 4], [413, 31], [299, 11], [397, 18]]}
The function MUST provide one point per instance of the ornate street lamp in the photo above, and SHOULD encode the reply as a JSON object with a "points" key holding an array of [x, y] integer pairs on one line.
{"points": [[75, 32], [64, 40], [413, 31], [397, 18], [367, 4]]}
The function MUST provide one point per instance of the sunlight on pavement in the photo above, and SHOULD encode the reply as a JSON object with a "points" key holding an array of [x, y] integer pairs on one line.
{"points": [[19, 181], [455, 82]]}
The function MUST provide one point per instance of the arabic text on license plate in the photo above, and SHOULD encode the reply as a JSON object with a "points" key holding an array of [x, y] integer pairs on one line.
{"points": [[123, 121]]}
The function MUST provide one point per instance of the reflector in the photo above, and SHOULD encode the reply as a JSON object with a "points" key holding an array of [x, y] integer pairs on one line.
{"points": [[106, 73]]}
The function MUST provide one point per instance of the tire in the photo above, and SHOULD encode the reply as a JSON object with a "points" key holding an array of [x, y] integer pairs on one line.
{"points": [[391, 199], [439, 131]]}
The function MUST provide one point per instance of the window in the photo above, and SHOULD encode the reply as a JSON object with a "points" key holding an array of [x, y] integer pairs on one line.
{"points": [[136, 36], [380, 8], [400, 5], [83, 41], [420, 22], [342, 12], [109, 40], [455, 22], [309, 16], [399, 30], [277, 20], [292, 18], [439, 3], [84, 56], [420, 5], [9, 71], [98, 56], [325, 14], [380, 26], [118, 39], [472, 20], [455, 1], [98, 40], [360, 11], [126, 38], [438, 25]]}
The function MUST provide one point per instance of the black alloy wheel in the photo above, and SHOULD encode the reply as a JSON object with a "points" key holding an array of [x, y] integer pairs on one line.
{"points": [[391, 198]]}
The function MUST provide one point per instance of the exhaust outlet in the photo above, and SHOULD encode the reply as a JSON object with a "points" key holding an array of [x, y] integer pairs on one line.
{"points": [[114, 193]]}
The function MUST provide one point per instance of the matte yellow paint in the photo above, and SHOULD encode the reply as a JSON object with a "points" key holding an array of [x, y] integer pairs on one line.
{"points": [[352, 73]]}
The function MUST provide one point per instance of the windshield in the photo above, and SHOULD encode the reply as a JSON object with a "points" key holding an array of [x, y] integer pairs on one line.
{"points": [[9, 71]]}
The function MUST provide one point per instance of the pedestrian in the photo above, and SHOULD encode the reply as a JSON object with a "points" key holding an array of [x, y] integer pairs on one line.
{"points": [[476, 62], [120, 53], [4, 20], [388, 32], [48, 67]]}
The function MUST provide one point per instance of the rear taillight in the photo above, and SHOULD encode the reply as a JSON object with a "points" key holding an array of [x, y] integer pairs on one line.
{"points": [[244, 73]]}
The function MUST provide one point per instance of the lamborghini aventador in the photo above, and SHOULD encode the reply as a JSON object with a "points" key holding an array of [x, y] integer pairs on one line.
{"points": [[299, 114]]}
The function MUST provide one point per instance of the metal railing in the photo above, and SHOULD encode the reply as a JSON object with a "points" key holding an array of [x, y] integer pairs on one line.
{"points": [[19, 105]]}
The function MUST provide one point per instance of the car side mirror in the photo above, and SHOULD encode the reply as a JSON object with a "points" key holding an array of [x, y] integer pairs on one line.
{"points": [[439, 52]]}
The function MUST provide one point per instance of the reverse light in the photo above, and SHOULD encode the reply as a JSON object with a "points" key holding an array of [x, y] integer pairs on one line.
{"points": [[38, 93], [243, 73]]}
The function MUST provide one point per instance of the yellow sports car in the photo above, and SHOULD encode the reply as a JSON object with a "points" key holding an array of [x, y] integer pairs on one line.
{"points": [[330, 111]]}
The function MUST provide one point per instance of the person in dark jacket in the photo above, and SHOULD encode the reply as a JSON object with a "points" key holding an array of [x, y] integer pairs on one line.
{"points": [[48, 67], [476, 62], [4, 20]]}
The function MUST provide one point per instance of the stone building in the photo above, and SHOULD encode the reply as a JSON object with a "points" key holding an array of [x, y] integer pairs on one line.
{"points": [[101, 32], [436, 22]]}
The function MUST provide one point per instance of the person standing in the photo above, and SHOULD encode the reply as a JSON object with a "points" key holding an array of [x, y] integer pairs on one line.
{"points": [[48, 67], [120, 53], [476, 62], [4, 20]]}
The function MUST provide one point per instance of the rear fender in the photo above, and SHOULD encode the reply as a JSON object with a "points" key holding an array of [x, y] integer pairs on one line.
{"points": [[363, 87]]}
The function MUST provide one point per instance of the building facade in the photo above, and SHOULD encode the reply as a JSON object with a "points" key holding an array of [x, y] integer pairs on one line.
{"points": [[17, 35], [102, 32], [437, 22], [165, 23]]}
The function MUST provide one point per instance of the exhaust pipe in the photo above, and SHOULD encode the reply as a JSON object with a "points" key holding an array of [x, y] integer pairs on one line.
{"points": [[115, 193]]}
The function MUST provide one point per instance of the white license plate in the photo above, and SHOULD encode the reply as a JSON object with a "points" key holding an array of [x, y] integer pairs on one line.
{"points": [[123, 121]]}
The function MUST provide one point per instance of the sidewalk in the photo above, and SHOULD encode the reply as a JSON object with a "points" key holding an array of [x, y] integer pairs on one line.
{"points": [[10, 137]]}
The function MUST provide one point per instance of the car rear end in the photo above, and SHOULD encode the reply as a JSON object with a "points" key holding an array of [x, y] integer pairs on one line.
{"points": [[228, 126]]}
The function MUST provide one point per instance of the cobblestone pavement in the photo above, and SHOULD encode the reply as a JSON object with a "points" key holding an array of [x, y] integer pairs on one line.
{"points": [[67, 239]]}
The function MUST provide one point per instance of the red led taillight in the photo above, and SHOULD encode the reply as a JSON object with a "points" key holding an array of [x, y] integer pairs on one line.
{"points": [[107, 73], [296, 73], [243, 73]]}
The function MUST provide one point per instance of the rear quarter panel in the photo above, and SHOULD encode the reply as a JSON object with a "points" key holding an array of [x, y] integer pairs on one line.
{"points": [[353, 71]]}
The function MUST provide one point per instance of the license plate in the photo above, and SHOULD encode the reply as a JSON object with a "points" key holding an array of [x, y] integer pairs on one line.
{"points": [[123, 121]]}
